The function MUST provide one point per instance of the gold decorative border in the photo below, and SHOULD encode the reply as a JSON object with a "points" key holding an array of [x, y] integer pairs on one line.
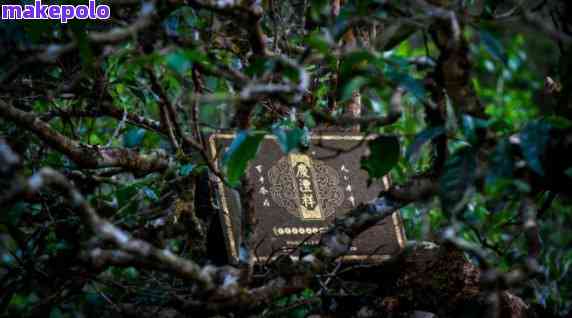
{"points": [[227, 222]]}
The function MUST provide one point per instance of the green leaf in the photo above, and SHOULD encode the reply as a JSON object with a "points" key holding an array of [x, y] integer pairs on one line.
{"points": [[242, 149], [94, 299], [299, 312], [56, 313], [394, 34], [186, 170], [125, 194], [131, 273], [138, 92], [383, 156], [568, 172], [150, 194], [12, 215], [521, 186], [133, 137], [318, 9], [307, 293], [489, 8], [290, 139], [559, 122], [356, 62], [41, 105], [94, 139], [309, 120], [411, 84], [493, 46], [501, 166], [259, 66], [181, 61], [182, 21], [178, 62], [421, 139], [533, 139], [457, 178], [85, 50], [319, 42], [120, 88], [470, 126]]}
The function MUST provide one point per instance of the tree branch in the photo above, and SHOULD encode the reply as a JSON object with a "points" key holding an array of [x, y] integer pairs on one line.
{"points": [[86, 156]]}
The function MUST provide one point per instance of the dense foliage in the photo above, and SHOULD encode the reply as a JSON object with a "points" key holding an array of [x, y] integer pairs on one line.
{"points": [[105, 204]]}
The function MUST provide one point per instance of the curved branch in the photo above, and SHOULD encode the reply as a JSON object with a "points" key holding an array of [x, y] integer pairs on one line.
{"points": [[86, 156]]}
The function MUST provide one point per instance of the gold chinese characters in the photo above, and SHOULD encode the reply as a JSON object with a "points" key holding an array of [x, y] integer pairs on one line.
{"points": [[309, 201]]}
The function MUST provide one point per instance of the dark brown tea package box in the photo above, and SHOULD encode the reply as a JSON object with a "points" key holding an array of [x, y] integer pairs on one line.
{"points": [[298, 195]]}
